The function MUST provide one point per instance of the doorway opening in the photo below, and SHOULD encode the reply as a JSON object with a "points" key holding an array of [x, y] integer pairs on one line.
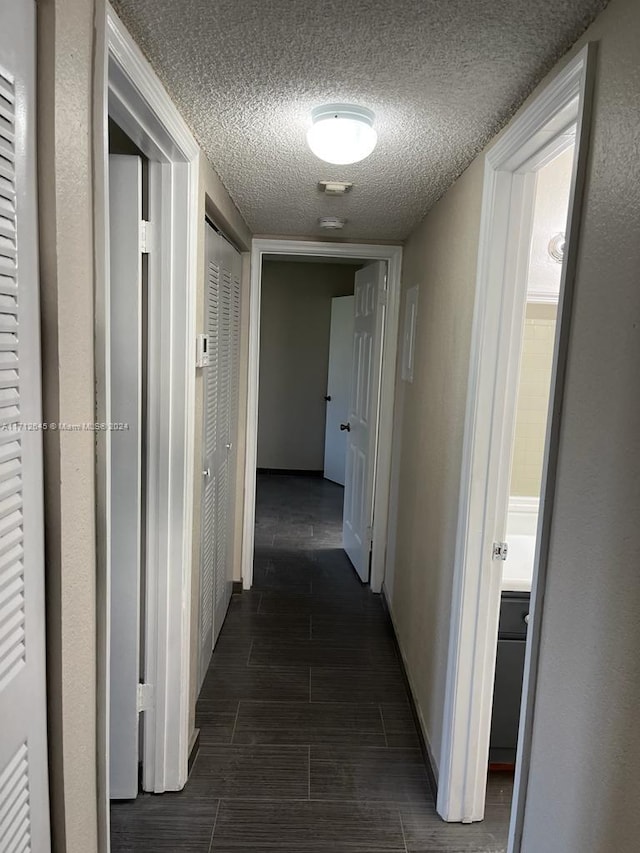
{"points": [[306, 354], [531, 206], [144, 458], [367, 439], [544, 244], [128, 207], [306, 323], [322, 333]]}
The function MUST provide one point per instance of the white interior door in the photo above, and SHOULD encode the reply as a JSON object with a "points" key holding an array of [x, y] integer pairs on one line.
{"points": [[24, 800], [362, 425], [338, 387], [222, 322], [125, 215]]}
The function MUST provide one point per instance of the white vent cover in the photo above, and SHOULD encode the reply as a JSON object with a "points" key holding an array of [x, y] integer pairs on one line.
{"points": [[335, 187], [332, 223]]}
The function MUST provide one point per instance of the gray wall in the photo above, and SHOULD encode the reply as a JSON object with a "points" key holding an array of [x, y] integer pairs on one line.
{"points": [[583, 789], [295, 318], [70, 88], [66, 33], [430, 420]]}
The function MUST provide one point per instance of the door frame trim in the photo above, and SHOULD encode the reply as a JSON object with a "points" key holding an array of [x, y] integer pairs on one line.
{"points": [[128, 90], [393, 256], [476, 591]]}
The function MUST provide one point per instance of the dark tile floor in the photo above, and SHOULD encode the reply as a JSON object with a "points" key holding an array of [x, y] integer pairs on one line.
{"points": [[307, 739]]}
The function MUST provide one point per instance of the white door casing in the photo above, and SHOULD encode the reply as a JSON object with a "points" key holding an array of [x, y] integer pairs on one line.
{"points": [[338, 387], [507, 198], [136, 100], [24, 798], [362, 426], [384, 513], [125, 215], [220, 412]]}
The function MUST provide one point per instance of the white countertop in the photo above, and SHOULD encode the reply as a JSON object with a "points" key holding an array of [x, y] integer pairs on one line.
{"points": [[517, 572]]}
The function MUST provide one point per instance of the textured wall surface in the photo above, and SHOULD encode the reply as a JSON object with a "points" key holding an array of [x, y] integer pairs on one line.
{"points": [[441, 78], [440, 257], [295, 323], [65, 60], [584, 789]]}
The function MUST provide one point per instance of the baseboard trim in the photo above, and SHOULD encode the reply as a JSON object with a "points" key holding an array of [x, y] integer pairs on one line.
{"points": [[425, 747], [237, 587], [522, 503], [290, 472], [193, 751]]}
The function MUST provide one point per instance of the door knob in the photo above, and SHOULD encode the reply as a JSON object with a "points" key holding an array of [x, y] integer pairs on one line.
{"points": [[327, 399], [345, 426]]}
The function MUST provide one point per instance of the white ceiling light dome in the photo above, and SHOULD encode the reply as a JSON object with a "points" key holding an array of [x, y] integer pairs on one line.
{"points": [[342, 133]]}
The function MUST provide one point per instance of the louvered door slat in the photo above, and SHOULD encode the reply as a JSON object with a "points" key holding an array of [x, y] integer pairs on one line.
{"points": [[12, 587], [14, 803], [225, 454], [24, 808]]}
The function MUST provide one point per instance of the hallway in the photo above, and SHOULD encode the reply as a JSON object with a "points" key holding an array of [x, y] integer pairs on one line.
{"points": [[307, 741]]}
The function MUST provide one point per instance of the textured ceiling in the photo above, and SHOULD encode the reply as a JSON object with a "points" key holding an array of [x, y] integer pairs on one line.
{"points": [[441, 75]]}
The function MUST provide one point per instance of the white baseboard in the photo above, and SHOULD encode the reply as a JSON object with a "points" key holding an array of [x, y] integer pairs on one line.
{"points": [[523, 503], [423, 728]]}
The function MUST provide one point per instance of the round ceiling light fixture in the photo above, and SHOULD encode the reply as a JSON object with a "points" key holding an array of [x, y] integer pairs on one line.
{"points": [[342, 133]]}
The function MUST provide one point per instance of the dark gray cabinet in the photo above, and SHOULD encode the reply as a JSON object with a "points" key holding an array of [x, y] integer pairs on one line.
{"points": [[507, 691]]}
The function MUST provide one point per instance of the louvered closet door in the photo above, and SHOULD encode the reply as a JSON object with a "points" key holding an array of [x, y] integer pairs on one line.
{"points": [[222, 320], [234, 370], [24, 806], [223, 584], [208, 511]]}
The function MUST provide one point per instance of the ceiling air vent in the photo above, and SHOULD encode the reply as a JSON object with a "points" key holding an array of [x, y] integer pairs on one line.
{"points": [[334, 187], [332, 223]]}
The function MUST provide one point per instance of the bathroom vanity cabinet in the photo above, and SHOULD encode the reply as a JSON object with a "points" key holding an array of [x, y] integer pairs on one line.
{"points": [[507, 692]]}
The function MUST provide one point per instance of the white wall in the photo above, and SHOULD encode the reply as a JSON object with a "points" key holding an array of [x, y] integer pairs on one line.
{"points": [[295, 322], [543, 281], [584, 786], [549, 218]]}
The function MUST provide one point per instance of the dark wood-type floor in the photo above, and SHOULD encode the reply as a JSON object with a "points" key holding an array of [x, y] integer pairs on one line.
{"points": [[307, 740]]}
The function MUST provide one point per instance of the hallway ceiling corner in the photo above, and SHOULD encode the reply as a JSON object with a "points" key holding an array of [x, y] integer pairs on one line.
{"points": [[442, 78]]}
